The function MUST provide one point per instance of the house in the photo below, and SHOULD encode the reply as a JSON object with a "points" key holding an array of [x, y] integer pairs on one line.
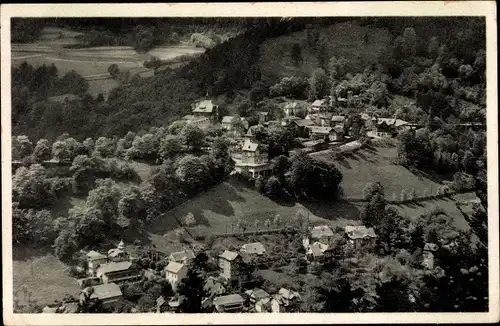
{"points": [[206, 109], [315, 145], [263, 116], [161, 304], [253, 130], [255, 248], [286, 121], [321, 232], [289, 297], [227, 122], [387, 127], [256, 295], [320, 105], [269, 304], [317, 132], [337, 120], [320, 119], [174, 273], [88, 281], [94, 259], [108, 294], [117, 272], [336, 133], [299, 127], [119, 253], [428, 255], [317, 252], [229, 262], [360, 235], [254, 159], [213, 287], [182, 257], [229, 303]]}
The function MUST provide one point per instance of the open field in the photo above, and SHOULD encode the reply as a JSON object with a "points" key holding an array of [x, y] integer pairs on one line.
{"points": [[44, 276], [89, 61], [368, 165], [343, 40]]}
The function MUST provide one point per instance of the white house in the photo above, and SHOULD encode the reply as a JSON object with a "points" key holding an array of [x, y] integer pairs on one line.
{"points": [[174, 273], [94, 260], [182, 257]]}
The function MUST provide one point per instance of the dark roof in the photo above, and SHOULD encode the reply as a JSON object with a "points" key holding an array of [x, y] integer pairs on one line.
{"points": [[114, 267]]}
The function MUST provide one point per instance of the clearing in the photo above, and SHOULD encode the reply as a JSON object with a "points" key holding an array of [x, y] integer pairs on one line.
{"points": [[44, 276], [372, 165]]}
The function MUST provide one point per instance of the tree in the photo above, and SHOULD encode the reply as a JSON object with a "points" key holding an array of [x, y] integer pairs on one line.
{"points": [[89, 145], [267, 224], [170, 147], [67, 149], [273, 188], [280, 166], [468, 161], [318, 84], [124, 144], [42, 151], [114, 70], [277, 220], [256, 224], [188, 219], [32, 227], [144, 147], [296, 54], [192, 173], [371, 189], [433, 48], [65, 244], [143, 38], [132, 207], [74, 83], [21, 147], [404, 195], [193, 136], [105, 147], [175, 127], [191, 288], [31, 187], [237, 124], [374, 211], [409, 45]]}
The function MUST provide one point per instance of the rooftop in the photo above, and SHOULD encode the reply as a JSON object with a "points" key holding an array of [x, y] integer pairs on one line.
{"points": [[318, 103], [182, 255], [317, 249], [105, 291], [253, 248], [114, 267], [359, 232], [430, 247], [257, 294], [338, 118], [229, 299], [250, 146], [204, 106], [320, 231], [229, 255], [174, 267], [95, 255], [320, 130], [227, 119], [303, 122], [288, 294]]}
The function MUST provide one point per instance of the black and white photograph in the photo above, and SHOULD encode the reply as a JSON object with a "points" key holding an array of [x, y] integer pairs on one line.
{"points": [[240, 165]]}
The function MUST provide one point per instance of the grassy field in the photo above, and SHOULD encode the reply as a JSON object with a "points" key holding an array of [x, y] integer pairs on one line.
{"points": [[344, 40], [377, 165], [89, 61], [44, 276]]}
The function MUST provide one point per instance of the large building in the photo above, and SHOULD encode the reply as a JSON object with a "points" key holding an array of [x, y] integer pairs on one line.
{"points": [[174, 273], [118, 272], [254, 159]]}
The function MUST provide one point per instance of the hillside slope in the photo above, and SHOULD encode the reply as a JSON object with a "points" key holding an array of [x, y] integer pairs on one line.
{"points": [[345, 39]]}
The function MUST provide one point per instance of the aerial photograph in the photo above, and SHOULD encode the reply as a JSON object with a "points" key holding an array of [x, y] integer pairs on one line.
{"points": [[249, 164]]}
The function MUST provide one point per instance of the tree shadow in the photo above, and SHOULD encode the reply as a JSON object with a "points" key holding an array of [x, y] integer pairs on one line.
{"points": [[333, 210], [344, 163], [25, 253], [217, 200], [430, 175]]}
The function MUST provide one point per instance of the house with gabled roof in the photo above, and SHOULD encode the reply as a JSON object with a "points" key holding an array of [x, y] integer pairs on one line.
{"points": [[321, 232], [206, 109], [182, 257], [254, 159], [94, 260], [229, 303], [117, 272], [320, 105], [360, 235], [108, 294], [229, 262], [174, 273]]}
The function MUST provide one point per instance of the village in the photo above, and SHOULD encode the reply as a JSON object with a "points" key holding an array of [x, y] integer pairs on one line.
{"points": [[230, 287]]}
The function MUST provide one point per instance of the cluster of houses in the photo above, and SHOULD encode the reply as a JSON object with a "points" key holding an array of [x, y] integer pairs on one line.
{"points": [[230, 288]]}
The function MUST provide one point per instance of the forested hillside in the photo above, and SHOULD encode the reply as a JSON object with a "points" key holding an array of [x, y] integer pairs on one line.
{"points": [[436, 65]]}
